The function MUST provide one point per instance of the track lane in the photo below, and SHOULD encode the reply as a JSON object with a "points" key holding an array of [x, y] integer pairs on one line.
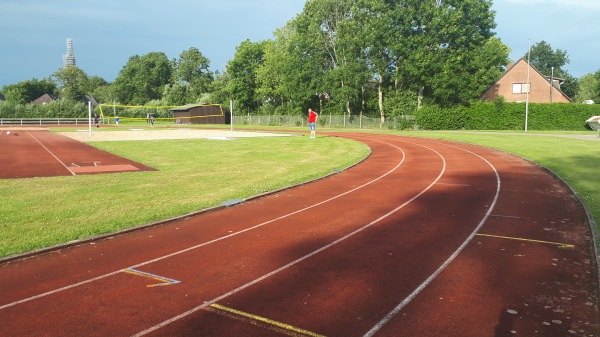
{"points": [[309, 189], [41, 153], [352, 284], [38, 161], [342, 291]]}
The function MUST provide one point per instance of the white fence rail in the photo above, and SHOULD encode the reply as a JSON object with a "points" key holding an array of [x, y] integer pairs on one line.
{"points": [[42, 121]]}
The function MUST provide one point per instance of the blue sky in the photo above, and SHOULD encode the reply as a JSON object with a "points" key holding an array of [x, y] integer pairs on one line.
{"points": [[106, 33]]}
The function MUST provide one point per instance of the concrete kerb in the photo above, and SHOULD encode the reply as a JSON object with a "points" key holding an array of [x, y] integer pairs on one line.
{"points": [[224, 204]]}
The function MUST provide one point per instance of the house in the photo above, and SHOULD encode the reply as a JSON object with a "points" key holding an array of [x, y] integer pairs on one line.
{"points": [[200, 114], [44, 99], [87, 99], [513, 86]]}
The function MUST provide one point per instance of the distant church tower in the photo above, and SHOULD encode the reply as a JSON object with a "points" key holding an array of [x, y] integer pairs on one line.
{"points": [[69, 59]]}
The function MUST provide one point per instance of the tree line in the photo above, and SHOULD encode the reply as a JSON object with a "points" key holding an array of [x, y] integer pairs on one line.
{"points": [[377, 58]]}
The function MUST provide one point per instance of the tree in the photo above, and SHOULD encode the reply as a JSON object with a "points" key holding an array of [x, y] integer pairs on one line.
{"points": [[73, 83], [550, 63], [218, 92], [105, 94], [143, 78], [589, 88], [27, 91], [192, 78], [362, 51], [95, 82], [242, 71], [543, 58], [330, 43], [445, 47], [597, 91]]}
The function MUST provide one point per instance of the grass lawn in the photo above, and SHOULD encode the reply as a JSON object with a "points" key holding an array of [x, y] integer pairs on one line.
{"points": [[197, 174], [193, 175], [576, 161]]}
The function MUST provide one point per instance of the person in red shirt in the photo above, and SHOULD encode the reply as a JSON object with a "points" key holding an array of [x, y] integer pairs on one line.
{"points": [[312, 122]]}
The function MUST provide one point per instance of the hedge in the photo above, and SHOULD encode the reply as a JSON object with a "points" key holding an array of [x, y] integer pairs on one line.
{"points": [[507, 116]]}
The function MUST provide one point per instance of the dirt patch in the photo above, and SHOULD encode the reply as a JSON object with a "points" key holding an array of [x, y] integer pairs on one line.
{"points": [[145, 134]]}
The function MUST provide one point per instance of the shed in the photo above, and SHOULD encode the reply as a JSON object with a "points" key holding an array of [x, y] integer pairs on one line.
{"points": [[199, 114]]}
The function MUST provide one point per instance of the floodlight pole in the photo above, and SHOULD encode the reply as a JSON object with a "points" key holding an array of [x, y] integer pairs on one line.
{"points": [[528, 87]]}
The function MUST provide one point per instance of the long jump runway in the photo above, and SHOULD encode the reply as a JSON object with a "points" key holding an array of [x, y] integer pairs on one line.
{"points": [[424, 238], [40, 153]]}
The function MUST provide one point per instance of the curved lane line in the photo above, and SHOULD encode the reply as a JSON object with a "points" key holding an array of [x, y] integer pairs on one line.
{"points": [[262, 278], [208, 242], [425, 283]]}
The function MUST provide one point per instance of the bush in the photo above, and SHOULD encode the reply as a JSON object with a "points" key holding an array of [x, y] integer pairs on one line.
{"points": [[501, 115]]}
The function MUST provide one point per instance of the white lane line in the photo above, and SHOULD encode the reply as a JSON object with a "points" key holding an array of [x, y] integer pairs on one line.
{"points": [[55, 157], [262, 278], [425, 283], [208, 242]]}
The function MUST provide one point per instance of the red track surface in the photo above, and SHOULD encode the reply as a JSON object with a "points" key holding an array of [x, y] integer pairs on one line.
{"points": [[424, 238], [41, 153]]}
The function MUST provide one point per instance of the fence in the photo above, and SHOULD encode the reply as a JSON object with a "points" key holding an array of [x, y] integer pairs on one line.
{"points": [[42, 121], [330, 121]]}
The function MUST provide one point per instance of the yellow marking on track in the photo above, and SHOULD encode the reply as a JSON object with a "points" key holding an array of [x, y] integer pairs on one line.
{"points": [[265, 320], [560, 245]]}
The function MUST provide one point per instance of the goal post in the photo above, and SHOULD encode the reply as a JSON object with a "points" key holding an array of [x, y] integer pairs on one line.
{"points": [[157, 113]]}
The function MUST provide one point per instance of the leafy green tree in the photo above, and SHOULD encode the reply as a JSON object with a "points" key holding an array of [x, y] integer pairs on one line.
{"points": [[446, 47], [597, 91], [143, 78], [589, 88], [95, 82], [551, 63], [73, 83], [242, 70], [570, 86], [106, 94], [544, 58], [192, 78], [328, 36], [27, 91], [218, 92]]}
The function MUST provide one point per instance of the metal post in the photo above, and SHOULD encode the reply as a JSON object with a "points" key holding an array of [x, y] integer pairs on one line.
{"points": [[231, 113], [528, 87], [90, 117], [551, 83]]}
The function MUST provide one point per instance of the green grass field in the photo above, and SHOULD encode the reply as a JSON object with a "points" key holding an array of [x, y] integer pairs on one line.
{"points": [[197, 174], [193, 175], [576, 161]]}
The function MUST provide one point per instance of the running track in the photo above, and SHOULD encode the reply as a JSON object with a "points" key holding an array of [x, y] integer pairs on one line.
{"points": [[424, 238], [41, 153]]}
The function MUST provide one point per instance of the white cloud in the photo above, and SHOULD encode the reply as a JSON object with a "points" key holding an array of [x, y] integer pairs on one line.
{"points": [[573, 4]]}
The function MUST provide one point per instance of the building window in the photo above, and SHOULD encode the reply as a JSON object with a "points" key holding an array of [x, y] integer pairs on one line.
{"points": [[520, 88]]}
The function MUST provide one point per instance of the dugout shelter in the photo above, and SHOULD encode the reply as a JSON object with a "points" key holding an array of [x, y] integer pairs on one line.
{"points": [[200, 114]]}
